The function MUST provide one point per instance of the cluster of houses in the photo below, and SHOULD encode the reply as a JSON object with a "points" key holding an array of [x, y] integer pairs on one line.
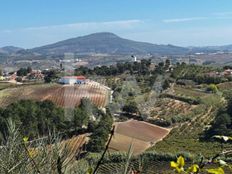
{"points": [[225, 73], [8, 77], [39, 76], [33, 75]]}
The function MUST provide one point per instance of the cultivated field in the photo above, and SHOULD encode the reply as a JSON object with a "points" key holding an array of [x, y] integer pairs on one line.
{"points": [[225, 86], [65, 96], [140, 135]]}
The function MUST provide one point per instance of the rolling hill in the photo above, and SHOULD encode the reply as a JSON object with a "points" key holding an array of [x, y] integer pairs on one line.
{"points": [[9, 49]]}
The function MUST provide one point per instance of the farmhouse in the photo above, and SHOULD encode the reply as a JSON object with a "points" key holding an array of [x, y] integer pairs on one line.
{"points": [[71, 80]]}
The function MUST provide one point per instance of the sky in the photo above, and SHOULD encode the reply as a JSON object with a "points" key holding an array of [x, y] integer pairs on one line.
{"points": [[32, 23]]}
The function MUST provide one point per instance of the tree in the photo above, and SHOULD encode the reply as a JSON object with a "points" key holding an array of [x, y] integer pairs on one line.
{"points": [[212, 88], [34, 118], [100, 136], [22, 72], [221, 126], [131, 107], [50, 76], [29, 69], [167, 63], [80, 118], [229, 106], [166, 84]]}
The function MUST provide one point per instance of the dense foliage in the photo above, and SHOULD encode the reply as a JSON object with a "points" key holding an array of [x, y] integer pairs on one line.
{"points": [[141, 68], [222, 124], [33, 118], [198, 74], [101, 133], [50, 75], [41, 117]]}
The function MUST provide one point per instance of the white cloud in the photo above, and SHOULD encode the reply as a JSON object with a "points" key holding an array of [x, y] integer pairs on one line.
{"points": [[29, 37], [87, 25], [177, 20]]}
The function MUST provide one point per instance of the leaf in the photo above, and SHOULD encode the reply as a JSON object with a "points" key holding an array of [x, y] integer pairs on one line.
{"points": [[216, 171], [25, 139], [180, 162], [173, 164], [89, 171], [194, 168]]}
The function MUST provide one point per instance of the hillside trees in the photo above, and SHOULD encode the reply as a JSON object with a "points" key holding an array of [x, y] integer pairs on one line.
{"points": [[40, 117], [50, 76], [131, 107], [222, 124], [198, 74], [140, 68], [100, 135], [33, 117]]}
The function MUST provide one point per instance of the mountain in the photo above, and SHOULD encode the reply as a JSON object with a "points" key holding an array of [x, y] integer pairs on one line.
{"points": [[107, 43], [9, 49], [103, 43]]}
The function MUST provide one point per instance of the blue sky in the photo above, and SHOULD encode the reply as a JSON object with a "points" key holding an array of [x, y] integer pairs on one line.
{"points": [[31, 23]]}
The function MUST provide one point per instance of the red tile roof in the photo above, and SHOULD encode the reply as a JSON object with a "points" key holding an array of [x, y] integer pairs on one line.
{"points": [[75, 77]]}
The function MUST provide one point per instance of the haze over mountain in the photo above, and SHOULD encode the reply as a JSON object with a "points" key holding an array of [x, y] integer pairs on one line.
{"points": [[104, 43]]}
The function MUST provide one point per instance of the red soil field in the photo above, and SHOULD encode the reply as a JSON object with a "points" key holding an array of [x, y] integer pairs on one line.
{"points": [[140, 134]]}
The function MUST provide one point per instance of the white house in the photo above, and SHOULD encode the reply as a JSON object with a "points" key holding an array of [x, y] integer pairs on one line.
{"points": [[71, 80]]}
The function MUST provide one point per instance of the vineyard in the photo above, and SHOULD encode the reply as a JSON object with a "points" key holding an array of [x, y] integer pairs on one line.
{"points": [[189, 92], [166, 108], [225, 86], [72, 147], [186, 136], [64, 96]]}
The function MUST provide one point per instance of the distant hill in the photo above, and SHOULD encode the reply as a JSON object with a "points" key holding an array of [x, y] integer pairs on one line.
{"points": [[224, 48], [107, 43], [9, 49]]}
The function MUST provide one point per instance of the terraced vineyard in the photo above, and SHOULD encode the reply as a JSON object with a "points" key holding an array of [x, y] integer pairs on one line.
{"points": [[65, 96], [185, 137], [166, 108]]}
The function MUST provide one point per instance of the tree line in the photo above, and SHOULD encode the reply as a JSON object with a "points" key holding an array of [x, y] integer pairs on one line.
{"points": [[40, 118]]}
